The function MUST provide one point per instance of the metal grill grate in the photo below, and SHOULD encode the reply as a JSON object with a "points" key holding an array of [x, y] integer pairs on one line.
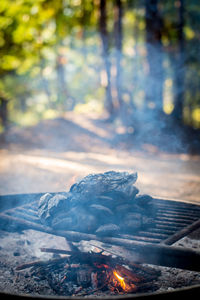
{"points": [[152, 245], [174, 219]]}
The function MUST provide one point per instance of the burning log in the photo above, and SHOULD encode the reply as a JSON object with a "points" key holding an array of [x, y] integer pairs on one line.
{"points": [[123, 260], [126, 272], [92, 273]]}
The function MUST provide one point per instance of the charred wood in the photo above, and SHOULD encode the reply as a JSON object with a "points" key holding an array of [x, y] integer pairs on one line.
{"points": [[97, 203]]}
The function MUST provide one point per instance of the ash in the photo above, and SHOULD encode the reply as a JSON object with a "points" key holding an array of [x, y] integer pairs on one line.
{"points": [[19, 248]]}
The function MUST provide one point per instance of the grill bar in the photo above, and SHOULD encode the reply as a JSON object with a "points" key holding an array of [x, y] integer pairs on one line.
{"points": [[174, 215], [190, 210], [174, 220], [160, 236], [161, 231]]}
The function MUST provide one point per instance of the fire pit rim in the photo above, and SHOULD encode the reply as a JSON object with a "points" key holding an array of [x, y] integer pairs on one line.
{"points": [[184, 291]]}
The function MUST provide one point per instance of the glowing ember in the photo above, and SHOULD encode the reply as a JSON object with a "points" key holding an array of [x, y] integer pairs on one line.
{"points": [[100, 266]]}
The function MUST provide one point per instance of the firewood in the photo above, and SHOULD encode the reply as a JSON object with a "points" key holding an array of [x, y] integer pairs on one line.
{"points": [[94, 202], [40, 263], [56, 251], [49, 204], [107, 229], [104, 182], [121, 256], [101, 211], [126, 272]]}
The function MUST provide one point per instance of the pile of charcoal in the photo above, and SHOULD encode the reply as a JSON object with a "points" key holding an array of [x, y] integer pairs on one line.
{"points": [[104, 204]]}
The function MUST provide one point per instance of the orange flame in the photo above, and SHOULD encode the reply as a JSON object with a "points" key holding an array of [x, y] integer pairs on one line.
{"points": [[127, 287], [120, 279]]}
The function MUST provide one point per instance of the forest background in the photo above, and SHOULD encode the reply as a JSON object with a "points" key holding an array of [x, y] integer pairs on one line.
{"points": [[139, 60], [90, 86]]}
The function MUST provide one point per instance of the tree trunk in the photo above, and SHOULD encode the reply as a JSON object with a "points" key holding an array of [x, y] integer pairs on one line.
{"points": [[105, 53], [61, 82], [3, 110], [62, 92], [118, 49], [154, 84], [179, 68]]}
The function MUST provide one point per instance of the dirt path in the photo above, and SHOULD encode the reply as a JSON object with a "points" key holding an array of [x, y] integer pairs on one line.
{"points": [[55, 153]]}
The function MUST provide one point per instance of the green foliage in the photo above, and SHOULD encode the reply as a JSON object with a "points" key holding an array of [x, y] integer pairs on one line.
{"points": [[51, 55]]}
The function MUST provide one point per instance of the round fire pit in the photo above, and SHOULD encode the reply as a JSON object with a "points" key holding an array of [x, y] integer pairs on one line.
{"points": [[162, 269]]}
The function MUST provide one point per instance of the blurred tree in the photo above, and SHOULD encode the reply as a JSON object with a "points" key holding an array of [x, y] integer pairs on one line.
{"points": [[109, 105], [118, 35], [154, 48], [4, 109], [179, 82], [24, 32], [60, 34]]}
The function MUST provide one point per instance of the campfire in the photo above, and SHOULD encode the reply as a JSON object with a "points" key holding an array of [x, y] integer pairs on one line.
{"points": [[83, 273], [125, 233]]}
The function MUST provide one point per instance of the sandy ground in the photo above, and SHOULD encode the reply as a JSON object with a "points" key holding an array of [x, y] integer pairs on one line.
{"points": [[55, 153]]}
